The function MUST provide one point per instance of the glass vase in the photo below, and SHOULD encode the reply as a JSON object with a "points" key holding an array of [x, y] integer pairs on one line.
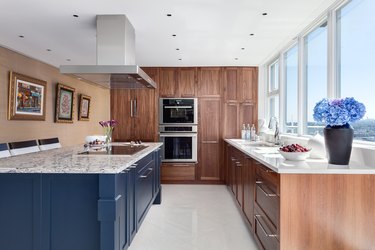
{"points": [[108, 137]]}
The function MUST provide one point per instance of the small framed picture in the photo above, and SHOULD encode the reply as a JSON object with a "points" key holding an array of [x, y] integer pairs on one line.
{"points": [[26, 98], [84, 108], [64, 103]]}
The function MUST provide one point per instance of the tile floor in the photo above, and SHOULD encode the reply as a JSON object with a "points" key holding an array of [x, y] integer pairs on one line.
{"points": [[194, 217]]}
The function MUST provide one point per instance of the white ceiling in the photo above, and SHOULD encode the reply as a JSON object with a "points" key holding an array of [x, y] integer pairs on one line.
{"points": [[209, 32]]}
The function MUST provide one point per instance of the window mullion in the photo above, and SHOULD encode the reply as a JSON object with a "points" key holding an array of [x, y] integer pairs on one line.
{"points": [[302, 100]]}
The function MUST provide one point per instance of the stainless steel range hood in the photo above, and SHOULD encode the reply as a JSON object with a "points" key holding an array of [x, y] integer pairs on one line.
{"points": [[115, 57]]}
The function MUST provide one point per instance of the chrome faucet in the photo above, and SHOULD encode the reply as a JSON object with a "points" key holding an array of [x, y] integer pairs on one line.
{"points": [[274, 125]]}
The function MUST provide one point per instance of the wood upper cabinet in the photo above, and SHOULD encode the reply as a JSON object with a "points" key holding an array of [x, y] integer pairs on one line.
{"points": [[209, 82], [248, 86], [187, 78], [168, 82], [231, 84], [132, 109], [209, 139], [231, 123]]}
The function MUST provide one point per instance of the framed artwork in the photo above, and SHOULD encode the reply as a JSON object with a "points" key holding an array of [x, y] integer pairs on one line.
{"points": [[26, 98], [64, 103], [84, 108]]}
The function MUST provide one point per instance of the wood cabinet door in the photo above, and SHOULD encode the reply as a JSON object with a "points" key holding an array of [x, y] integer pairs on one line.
{"points": [[209, 122], [144, 116], [120, 111], [168, 82], [187, 78], [248, 114], [209, 82], [248, 189], [249, 85], [231, 123], [230, 84]]}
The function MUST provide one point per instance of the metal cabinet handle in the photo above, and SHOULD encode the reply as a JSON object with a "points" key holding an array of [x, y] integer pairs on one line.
{"points": [[261, 226], [264, 191], [131, 108], [149, 172], [238, 164], [135, 108], [133, 166]]}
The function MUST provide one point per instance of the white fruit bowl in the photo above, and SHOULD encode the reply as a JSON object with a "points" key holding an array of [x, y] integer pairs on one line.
{"points": [[295, 156], [91, 138]]}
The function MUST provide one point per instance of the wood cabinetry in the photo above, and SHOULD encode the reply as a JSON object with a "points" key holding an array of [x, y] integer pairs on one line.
{"points": [[240, 99], [209, 139], [209, 82], [168, 82], [187, 79], [248, 189], [171, 172], [178, 82], [136, 111]]}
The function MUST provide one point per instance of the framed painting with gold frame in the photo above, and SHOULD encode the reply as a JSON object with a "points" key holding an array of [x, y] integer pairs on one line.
{"points": [[26, 98], [84, 108], [64, 103]]}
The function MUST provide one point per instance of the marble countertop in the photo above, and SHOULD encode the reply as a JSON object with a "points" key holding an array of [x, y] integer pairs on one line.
{"points": [[67, 160], [269, 157]]}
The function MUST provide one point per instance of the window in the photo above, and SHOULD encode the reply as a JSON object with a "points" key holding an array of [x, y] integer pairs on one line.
{"points": [[355, 60], [291, 90], [273, 90], [316, 61], [345, 31]]}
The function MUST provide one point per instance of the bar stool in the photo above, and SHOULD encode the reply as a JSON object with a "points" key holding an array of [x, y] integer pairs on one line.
{"points": [[50, 143], [23, 147]]}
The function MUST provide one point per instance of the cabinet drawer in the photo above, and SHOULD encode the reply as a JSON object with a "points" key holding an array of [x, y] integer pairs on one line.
{"points": [[144, 191], [266, 236], [268, 201], [178, 172], [267, 174]]}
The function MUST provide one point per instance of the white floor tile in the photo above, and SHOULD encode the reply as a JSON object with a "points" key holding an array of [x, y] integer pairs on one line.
{"points": [[194, 217]]}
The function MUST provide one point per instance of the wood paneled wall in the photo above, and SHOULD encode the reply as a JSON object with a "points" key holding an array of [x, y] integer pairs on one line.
{"points": [[69, 134]]}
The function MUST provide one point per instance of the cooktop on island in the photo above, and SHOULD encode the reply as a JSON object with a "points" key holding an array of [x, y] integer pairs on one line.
{"points": [[125, 149]]}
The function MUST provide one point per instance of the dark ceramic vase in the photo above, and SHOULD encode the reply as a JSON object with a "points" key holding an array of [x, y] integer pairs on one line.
{"points": [[338, 144]]}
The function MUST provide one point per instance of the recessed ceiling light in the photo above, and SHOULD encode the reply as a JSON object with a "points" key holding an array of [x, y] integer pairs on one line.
{"points": [[68, 60], [169, 15], [264, 14], [21, 36], [180, 59], [75, 15], [48, 49], [177, 49], [236, 58], [243, 48], [174, 35], [251, 34]]}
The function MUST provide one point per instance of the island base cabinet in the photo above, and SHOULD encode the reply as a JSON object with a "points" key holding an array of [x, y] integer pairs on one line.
{"points": [[77, 211]]}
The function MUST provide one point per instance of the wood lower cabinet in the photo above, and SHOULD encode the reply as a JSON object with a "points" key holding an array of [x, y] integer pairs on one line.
{"points": [[171, 172], [248, 189], [304, 211]]}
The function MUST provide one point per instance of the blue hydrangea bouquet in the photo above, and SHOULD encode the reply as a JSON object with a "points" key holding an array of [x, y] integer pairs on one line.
{"points": [[338, 113]]}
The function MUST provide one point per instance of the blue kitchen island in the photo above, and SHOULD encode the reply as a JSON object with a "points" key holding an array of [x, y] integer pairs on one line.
{"points": [[62, 199]]}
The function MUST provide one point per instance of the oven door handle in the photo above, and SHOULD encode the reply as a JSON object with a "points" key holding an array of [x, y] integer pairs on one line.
{"points": [[178, 134], [177, 107]]}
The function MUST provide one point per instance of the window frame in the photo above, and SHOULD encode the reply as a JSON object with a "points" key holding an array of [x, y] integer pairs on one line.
{"points": [[333, 78]]}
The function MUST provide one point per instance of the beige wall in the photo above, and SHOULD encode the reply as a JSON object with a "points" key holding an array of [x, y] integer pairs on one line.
{"points": [[69, 134]]}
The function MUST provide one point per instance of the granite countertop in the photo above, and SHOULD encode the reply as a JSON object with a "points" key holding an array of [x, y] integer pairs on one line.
{"points": [[67, 160], [270, 157]]}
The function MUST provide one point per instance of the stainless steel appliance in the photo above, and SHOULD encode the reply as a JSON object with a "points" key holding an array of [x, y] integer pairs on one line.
{"points": [[179, 143], [178, 129], [178, 111]]}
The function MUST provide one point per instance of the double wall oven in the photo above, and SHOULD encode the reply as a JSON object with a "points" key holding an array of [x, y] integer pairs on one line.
{"points": [[178, 118]]}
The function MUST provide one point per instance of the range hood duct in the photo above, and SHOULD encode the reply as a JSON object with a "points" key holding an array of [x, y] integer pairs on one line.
{"points": [[115, 57]]}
